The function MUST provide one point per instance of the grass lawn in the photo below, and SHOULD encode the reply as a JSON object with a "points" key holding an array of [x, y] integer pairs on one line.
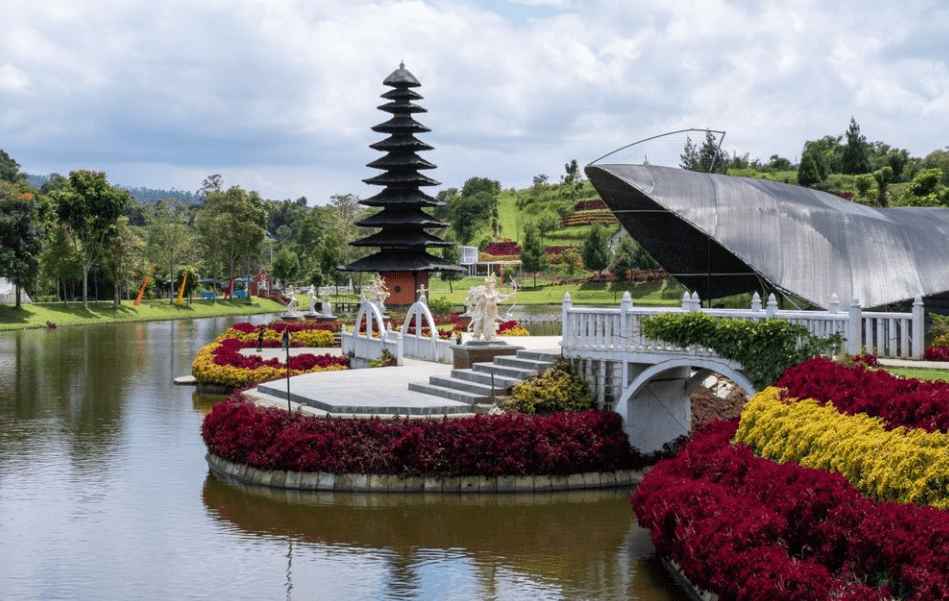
{"points": [[64, 314], [653, 294], [921, 373]]}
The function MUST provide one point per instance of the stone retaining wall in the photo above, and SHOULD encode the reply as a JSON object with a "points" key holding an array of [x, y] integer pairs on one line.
{"points": [[328, 482], [696, 593]]}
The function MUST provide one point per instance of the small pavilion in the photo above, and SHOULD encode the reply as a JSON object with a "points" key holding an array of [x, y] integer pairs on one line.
{"points": [[402, 239]]}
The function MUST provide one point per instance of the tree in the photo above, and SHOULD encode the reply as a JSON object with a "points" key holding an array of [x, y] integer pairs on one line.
{"points": [[471, 209], [689, 159], [340, 215], [533, 257], [779, 163], [855, 158], [231, 226], [212, 183], [169, 239], [546, 222], [711, 156], [826, 153], [122, 257], [883, 176], [596, 248], [21, 237], [452, 254], [808, 173], [10, 169], [286, 265], [622, 264], [89, 208], [708, 158]]}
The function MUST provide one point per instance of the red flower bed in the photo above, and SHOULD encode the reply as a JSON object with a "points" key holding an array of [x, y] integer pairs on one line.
{"points": [[502, 248], [280, 326], [751, 529], [898, 401], [227, 354], [937, 353], [589, 205], [562, 443]]}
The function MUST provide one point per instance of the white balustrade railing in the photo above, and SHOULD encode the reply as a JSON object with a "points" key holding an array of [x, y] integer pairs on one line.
{"points": [[599, 330], [369, 345], [418, 345]]}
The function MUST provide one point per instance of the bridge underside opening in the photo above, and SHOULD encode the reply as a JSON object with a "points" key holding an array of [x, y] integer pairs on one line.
{"points": [[656, 403]]}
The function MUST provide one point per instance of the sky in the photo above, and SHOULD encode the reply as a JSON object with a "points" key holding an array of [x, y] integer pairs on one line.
{"points": [[279, 96]]}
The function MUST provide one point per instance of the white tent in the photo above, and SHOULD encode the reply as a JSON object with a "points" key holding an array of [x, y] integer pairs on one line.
{"points": [[8, 293]]}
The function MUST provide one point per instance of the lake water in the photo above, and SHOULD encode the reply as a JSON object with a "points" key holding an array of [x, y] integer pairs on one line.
{"points": [[105, 494]]}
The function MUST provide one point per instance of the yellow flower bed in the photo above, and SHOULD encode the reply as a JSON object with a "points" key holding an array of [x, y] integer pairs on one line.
{"points": [[517, 330], [309, 338], [903, 465]]}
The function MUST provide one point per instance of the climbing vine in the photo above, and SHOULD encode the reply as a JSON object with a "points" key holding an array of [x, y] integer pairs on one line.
{"points": [[764, 348]]}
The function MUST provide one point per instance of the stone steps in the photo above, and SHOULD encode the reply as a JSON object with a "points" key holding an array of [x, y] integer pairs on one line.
{"points": [[485, 383]]}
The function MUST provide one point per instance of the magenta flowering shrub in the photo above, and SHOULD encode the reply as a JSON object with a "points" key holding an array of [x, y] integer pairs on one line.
{"points": [[751, 529], [502, 248], [227, 353], [294, 327], [557, 444], [897, 401], [936, 353]]}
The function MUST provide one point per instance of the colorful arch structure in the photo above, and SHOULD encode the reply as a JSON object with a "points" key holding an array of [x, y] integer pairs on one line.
{"points": [[721, 235]]}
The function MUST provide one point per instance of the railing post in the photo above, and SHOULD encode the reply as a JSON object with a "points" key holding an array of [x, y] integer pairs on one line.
{"points": [[854, 327], [772, 308], [565, 334], [834, 304], [919, 326], [696, 303], [686, 301], [756, 303], [624, 309]]}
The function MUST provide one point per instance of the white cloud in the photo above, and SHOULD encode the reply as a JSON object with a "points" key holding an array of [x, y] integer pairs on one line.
{"points": [[279, 95]]}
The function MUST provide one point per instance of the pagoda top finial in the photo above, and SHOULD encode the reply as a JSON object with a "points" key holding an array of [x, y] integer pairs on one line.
{"points": [[401, 78]]}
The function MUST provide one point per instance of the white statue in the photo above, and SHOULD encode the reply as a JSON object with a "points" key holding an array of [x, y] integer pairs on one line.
{"points": [[313, 299], [482, 303], [327, 308], [292, 305], [378, 293], [421, 295]]}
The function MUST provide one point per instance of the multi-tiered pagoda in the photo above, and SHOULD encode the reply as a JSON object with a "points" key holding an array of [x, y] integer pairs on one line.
{"points": [[402, 259]]}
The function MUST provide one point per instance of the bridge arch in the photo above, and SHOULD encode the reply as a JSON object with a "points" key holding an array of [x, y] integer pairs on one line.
{"points": [[656, 405]]}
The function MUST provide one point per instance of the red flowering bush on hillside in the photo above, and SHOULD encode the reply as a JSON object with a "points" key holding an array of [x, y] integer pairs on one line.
{"points": [[502, 248], [558, 444], [936, 353], [748, 528], [589, 205], [899, 402]]}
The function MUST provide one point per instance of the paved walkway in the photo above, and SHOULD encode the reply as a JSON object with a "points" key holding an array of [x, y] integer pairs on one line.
{"points": [[377, 391]]}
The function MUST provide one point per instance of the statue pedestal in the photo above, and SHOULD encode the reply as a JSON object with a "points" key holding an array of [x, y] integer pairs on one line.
{"points": [[464, 355]]}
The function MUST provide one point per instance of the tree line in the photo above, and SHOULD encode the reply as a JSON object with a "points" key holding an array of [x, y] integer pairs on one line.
{"points": [[79, 237], [874, 173]]}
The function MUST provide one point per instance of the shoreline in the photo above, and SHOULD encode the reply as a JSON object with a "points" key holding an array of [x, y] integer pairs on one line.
{"points": [[390, 483]]}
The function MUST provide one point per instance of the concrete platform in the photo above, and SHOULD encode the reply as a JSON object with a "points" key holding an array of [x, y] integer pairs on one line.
{"points": [[378, 391]]}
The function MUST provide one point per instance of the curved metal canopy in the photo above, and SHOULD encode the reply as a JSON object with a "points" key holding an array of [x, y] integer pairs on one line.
{"points": [[722, 235]]}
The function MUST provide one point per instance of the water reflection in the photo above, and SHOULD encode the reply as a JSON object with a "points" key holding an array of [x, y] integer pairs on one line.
{"points": [[105, 494], [559, 545]]}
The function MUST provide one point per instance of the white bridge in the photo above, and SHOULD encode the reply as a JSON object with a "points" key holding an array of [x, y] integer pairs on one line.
{"points": [[649, 382]]}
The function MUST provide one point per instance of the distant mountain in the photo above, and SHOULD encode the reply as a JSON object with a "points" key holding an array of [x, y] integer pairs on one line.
{"points": [[36, 181], [142, 194]]}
